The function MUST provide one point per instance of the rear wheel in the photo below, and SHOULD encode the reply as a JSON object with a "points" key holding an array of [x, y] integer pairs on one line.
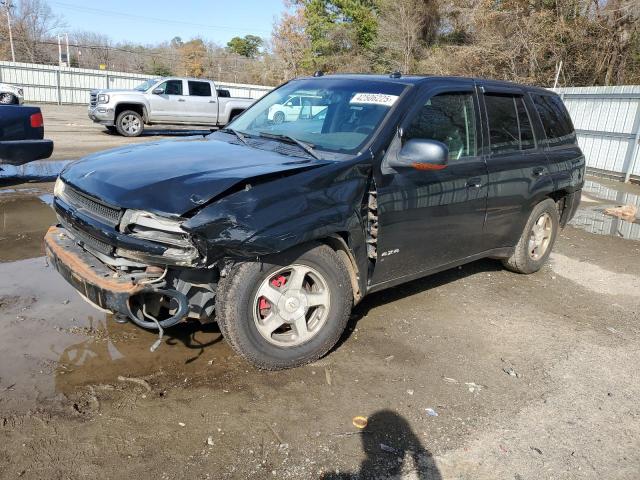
{"points": [[537, 239], [129, 123], [288, 310], [8, 99]]}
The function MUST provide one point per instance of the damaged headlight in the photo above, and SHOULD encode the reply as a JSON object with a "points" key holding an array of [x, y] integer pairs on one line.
{"points": [[166, 232], [58, 189]]}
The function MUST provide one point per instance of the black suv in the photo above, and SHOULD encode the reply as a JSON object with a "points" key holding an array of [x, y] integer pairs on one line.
{"points": [[275, 230]]}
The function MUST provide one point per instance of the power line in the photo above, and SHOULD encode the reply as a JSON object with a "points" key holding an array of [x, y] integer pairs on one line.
{"points": [[101, 12]]}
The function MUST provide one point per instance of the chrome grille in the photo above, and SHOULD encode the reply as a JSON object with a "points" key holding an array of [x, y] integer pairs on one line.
{"points": [[93, 99], [91, 206], [86, 239]]}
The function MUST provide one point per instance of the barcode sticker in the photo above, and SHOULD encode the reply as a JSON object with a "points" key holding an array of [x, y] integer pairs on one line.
{"points": [[374, 99]]}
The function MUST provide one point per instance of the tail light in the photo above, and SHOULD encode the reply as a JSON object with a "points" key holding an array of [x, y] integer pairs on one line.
{"points": [[36, 120]]}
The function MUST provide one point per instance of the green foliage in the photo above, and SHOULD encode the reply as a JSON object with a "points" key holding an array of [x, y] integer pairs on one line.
{"points": [[247, 46]]}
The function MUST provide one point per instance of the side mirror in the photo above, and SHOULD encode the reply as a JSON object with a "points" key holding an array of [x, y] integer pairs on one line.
{"points": [[421, 155], [158, 91]]}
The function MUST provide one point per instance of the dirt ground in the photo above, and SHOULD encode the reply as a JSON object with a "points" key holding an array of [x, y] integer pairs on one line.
{"points": [[531, 377]]}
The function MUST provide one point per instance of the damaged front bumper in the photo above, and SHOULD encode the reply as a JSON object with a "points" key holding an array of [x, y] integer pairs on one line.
{"points": [[108, 290]]}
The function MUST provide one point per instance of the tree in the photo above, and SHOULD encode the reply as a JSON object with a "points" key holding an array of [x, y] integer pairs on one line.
{"points": [[194, 57], [405, 27], [290, 41], [248, 46], [35, 23]]}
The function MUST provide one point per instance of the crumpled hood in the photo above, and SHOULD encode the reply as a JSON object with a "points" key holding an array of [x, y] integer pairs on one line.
{"points": [[176, 176]]}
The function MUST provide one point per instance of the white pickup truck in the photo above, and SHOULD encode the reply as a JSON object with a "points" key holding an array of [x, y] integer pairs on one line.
{"points": [[173, 101]]}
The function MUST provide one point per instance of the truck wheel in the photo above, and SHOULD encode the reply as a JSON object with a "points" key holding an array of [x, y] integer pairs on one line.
{"points": [[278, 118], [537, 239], [129, 123], [288, 310], [8, 99]]}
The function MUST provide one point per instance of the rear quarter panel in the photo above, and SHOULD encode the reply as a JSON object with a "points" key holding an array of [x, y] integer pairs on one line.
{"points": [[15, 123]]}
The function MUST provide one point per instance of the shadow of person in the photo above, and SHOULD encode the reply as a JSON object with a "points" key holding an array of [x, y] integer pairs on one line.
{"points": [[389, 444]]}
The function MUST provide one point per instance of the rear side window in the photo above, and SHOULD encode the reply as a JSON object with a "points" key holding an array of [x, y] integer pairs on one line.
{"points": [[199, 89], [555, 119], [509, 123], [450, 119]]}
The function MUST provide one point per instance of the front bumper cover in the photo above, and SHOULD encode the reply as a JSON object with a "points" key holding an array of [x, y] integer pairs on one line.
{"points": [[93, 280]]}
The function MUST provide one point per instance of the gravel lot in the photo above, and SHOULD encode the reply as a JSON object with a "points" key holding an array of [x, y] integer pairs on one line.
{"points": [[531, 377]]}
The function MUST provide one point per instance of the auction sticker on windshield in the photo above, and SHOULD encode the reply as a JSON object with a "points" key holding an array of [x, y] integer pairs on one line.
{"points": [[374, 99]]}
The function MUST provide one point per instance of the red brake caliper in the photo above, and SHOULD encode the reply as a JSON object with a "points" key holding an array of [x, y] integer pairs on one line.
{"points": [[263, 304]]}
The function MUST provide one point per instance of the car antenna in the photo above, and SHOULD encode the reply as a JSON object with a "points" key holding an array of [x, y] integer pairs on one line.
{"points": [[396, 74], [319, 73]]}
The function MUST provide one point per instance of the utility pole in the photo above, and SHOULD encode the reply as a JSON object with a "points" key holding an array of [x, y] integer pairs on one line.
{"points": [[59, 52], [7, 4], [66, 36]]}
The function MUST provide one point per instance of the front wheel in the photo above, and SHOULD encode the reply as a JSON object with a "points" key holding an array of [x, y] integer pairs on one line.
{"points": [[537, 239], [278, 118], [288, 310], [129, 124]]}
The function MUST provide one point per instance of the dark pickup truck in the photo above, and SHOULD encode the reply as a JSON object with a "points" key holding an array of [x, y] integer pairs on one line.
{"points": [[22, 134], [276, 229]]}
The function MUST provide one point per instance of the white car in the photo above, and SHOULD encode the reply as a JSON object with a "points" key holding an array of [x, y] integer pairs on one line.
{"points": [[10, 95], [296, 106]]}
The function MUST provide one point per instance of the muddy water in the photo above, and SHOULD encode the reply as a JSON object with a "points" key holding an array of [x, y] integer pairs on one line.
{"points": [[52, 343]]}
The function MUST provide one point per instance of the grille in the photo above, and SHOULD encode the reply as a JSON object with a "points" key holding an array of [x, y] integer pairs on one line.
{"points": [[93, 207], [93, 99], [87, 240]]}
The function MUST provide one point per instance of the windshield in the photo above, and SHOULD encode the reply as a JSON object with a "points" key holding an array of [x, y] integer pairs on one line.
{"points": [[337, 115], [143, 87]]}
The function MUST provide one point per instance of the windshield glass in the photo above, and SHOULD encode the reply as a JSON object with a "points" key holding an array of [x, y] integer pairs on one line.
{"points": [[143, 87], [338, 115]]}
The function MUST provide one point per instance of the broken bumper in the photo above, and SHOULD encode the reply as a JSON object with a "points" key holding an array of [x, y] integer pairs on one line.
{"points": [[93, 280]]}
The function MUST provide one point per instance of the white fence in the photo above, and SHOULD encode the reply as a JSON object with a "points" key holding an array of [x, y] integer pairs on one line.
{"points": [[607, 120], [66, 85]]}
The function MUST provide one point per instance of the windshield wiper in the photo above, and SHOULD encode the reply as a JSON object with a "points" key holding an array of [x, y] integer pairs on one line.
{"points": [[307, 147], [240, 136]]}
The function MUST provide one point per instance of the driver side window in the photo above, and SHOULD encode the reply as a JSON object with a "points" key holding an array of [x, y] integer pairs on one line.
{"points": [[171, 87], [448, 118]]}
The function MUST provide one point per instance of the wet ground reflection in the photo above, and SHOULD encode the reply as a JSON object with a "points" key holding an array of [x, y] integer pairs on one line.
{"points": [[596, 198]]}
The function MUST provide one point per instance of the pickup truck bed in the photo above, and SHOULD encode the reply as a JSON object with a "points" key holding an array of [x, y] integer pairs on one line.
{"points": [[22, 135]]}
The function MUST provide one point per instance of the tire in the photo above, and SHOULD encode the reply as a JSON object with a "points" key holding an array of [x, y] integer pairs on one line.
{"points": [[111, 129], [278, 118], [244, 314], [129, 123], [536, 242], [8, 99]]}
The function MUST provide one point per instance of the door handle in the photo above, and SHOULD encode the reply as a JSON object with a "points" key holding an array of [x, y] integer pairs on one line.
{"points": [[475, 182], [537, 171], [212, 101], [181, 99]]}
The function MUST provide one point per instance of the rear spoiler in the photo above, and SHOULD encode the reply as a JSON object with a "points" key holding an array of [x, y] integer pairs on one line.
{"points": [[19, 152]]}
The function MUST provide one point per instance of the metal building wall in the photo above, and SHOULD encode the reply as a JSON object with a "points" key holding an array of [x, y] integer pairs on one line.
{"points": [[66, 85], [607, 120]]}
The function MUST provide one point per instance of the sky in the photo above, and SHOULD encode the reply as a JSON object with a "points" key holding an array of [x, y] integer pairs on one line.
{"points": [[149, 22]]}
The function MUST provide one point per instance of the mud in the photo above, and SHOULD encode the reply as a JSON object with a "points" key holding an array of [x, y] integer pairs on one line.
{"points": [[531, 376]]}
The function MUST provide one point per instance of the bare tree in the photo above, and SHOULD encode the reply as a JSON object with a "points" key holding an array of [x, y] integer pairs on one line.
{"points": [[35, 23]]}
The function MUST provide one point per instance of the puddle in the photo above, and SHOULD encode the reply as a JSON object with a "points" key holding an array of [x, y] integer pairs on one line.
{"points": [[591, 217], [53, 343], [24, 219]]}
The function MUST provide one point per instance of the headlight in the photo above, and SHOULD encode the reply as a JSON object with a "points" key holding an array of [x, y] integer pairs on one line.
{"points": [[103, 98], [166, 232], [58, 189]]}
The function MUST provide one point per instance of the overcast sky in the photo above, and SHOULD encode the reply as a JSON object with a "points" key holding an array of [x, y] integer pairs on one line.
{"points": [[154, 21]]}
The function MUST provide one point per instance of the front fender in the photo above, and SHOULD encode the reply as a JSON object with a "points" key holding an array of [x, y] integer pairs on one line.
{"points": [[279, 214]]}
